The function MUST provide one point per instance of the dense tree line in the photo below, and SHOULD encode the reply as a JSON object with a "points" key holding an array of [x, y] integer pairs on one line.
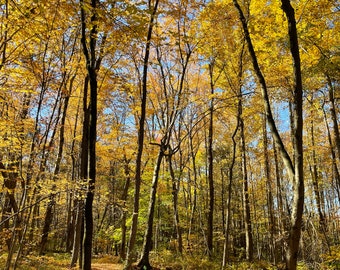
{"points": [[197, 131]]}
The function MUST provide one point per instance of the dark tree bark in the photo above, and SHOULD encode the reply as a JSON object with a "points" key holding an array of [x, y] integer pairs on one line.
{"points": [[91, 66], [88, 214], [210, 229], [93, 62]]}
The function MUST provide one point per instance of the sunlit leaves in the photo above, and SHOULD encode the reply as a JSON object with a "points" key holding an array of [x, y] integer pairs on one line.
{"points": [[41, 61]]}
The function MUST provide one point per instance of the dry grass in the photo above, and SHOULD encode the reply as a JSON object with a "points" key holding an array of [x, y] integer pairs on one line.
{"points": [[61, 261], [106, 266]]}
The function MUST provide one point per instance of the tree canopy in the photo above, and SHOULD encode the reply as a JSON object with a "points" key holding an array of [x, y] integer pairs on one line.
{"points": [[183, 134]]}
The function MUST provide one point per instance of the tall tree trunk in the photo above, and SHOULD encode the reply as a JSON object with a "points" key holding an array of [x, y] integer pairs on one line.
{"points": [[245, 193], [294, 170], [88, 214], [315, 179], [230, 184], [67, 240], [334, 116], [140, 140], [144, 262], [122, 252], [336, 174], [269, 115], [233, 158], [282, 216], [93, 62], [210, 228], [84, 160], [270, 203], [79, 205], [175, 189], [73, 204], [193, 202], [298, 196], [336, 133]]}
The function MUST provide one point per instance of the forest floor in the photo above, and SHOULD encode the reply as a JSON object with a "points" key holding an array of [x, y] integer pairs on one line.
{"points": [[61, 261], [105, 263], [106, 266]]}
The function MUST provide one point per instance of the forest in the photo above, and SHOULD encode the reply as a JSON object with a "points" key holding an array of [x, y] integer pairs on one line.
{"points": [[177, 134]]}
